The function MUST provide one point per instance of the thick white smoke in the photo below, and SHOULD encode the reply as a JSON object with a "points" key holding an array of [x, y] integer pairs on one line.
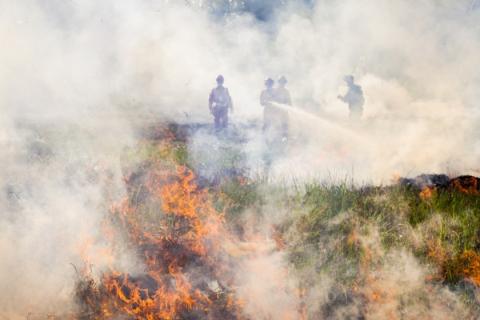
{"points": [[77, 77]]}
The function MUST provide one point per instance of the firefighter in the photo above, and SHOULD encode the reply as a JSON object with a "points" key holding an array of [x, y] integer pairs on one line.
{"points": [[282, 95], [219, 103], [354, 98], [266, 98], [268, 94]]}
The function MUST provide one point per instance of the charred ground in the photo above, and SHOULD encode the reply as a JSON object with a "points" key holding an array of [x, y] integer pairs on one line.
{"points": [[363, 239]]}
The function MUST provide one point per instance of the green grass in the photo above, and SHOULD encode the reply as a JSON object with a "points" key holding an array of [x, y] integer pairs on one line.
{"points": [[325, 216], [323, 224]]}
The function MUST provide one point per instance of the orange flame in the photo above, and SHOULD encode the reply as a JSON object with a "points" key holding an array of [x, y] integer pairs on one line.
{"points": [[186, 231], [186, 234]]}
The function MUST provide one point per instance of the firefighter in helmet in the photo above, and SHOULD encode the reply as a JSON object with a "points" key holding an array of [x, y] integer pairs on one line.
{"points": [[219, 103], [282, 95], [354, 98], [267, 96]]}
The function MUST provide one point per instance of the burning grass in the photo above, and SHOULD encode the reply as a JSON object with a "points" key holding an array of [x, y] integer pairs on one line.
{"points": [[181, 252], [192, 260], [370, 252]]}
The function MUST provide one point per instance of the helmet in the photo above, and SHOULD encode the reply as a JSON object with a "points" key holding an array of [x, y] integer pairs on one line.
{"points": [[220, 79], [348, 78], [282, 80], [269, 82]]}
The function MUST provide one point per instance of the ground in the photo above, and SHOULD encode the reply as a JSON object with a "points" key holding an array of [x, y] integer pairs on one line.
{"points": [[409, 250]]}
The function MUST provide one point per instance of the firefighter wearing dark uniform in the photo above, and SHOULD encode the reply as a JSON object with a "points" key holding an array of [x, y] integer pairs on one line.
{"points": [[219, 103], [282, 95], [267, 96], [354, 98]]}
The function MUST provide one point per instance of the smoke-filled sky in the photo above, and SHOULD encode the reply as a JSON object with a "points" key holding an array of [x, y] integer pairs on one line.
{"points": [[77, 76], [90, 56]]}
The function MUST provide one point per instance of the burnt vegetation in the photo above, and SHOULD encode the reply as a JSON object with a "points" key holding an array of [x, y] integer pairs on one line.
{"points": [[178, 221]]}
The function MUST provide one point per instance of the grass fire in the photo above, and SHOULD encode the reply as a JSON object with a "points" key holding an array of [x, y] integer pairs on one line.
{"points": [[239, 160], [195, 239]]}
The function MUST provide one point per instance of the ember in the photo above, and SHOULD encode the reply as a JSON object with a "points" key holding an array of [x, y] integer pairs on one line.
{"points": [[188, 254], [181, 254], [429, 184]]}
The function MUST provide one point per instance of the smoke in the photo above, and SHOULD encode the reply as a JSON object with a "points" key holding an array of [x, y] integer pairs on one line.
{"points": [[78, 79], [415, 63], [412, 65]]}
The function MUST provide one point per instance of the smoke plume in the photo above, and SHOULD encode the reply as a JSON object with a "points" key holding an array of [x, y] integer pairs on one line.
{"points": [[80, 78]]}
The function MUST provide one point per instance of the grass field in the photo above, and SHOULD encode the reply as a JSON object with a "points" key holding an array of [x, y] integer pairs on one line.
{"points": [[382, 245]]}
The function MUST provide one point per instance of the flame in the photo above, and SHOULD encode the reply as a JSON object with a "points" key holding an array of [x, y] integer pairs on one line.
{"points": [[428, 193], [466, 184], [188, 255], [471, 266], [187, 232], [465, 265]]}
